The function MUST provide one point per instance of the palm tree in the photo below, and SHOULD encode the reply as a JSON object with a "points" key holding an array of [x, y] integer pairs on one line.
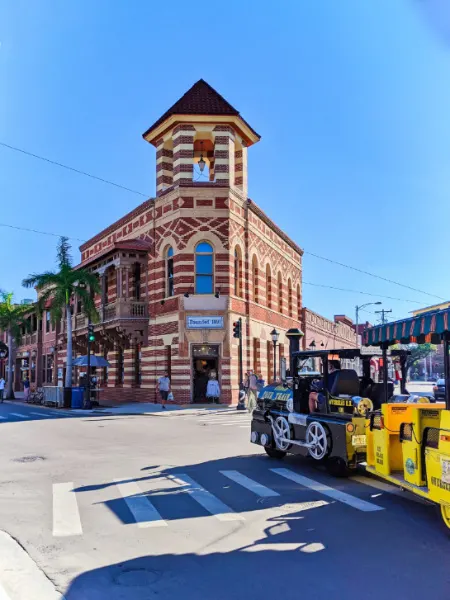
{"points": [[12, 320], [59, 288]]}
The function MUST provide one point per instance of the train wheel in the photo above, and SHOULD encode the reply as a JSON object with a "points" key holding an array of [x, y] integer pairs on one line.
{"points": [[445, 515], [274, 453], [337, 467], [317, 436]]}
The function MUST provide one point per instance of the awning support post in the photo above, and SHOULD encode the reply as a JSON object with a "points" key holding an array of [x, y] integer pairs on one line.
{"points": [[447, 370], [385, 372], [404, 373]]}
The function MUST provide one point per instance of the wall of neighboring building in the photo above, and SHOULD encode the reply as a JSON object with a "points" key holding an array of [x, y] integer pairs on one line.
{"points": [[339, 333]]}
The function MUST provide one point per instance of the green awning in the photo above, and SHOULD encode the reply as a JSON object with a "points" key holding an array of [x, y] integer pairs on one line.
{"points": [[425, 328]]}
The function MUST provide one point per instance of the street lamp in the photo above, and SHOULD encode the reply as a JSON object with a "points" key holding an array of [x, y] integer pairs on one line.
{"points": [[357, 309], [274, 334]]}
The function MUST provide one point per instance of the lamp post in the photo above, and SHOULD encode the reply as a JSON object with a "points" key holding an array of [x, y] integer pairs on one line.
{"points": [[274, 334], [357, 309]]}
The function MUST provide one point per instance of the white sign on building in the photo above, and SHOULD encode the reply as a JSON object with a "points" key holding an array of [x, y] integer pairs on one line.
{"points": [[204, 322]]}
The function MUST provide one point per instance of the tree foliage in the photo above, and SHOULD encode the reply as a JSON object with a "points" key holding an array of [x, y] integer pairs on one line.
{"points": [[418, 352]]}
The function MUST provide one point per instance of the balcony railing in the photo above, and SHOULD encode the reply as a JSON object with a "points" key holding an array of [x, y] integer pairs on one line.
{"points": [[120, 309], [29, 339]]}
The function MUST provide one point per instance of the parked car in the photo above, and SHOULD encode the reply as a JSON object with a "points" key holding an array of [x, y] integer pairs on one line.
{"points": [[439, 390]]}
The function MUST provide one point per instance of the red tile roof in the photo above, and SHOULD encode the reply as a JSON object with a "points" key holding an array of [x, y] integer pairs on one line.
{"points": [[132, 244], [200, 99]]}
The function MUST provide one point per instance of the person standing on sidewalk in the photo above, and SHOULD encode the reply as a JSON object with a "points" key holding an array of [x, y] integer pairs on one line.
{"points": [[252, 390], [26, 388], [2, 388], [164, 388]]}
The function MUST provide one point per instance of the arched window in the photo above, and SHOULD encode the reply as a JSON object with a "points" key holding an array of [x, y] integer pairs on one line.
{"points": [[255, 279], [268, 287], [204, 269], [299, 304], [237, 272], [280, 293], [169, 272], [290, 297]]}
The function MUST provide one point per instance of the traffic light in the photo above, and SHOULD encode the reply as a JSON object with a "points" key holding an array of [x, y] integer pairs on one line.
{"points": [[237, 329], [91, 334]]}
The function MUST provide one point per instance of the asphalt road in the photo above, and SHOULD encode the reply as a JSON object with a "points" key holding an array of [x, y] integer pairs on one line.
{"points": [[182, 505]]}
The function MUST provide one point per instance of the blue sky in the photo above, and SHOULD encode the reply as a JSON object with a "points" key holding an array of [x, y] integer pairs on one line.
{"points": [[351, 100]]}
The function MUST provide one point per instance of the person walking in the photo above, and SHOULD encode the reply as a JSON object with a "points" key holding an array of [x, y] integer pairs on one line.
{"points": [[252, 390], [26, 388], [2, 388], [164, 388]]}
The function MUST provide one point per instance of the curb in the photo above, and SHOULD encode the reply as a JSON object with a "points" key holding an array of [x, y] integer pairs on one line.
{"points": [[20, 576]]}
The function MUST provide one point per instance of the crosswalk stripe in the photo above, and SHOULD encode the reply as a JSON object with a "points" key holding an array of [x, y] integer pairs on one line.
{"points": [[143, 511], [209, 502], [250, 484], [3, 594], [328, 491], [42, 414], [20, 415], [244, 426], [66, 517]]}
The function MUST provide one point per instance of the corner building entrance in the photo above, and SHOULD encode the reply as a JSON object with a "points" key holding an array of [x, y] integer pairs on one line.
{"points": [[205, 366]]}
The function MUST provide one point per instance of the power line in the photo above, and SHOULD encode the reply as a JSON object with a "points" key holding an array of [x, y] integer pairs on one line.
{"points": [[41, 232], [335, 262], [330, 287], [58, 164], [117, 185]]}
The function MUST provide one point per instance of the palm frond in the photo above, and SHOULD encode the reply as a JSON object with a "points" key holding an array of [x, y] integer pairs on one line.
{"points": [[41, 280], [64, 257]]}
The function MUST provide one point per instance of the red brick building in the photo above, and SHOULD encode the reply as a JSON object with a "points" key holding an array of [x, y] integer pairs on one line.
{"points": [[327, 334], [178, 270]]}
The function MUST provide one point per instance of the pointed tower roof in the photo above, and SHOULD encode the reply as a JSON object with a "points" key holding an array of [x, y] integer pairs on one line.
{"points": [[200, 99]]}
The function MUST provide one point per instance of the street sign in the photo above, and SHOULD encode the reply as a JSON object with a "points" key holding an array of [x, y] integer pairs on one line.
{"points": [[371, 351], [204, 322]]}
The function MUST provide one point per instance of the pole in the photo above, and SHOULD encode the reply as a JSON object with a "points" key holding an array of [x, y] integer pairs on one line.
{"points": [[274, 361], [88, 383], [356, 323], [241, 375], [383, 313]]}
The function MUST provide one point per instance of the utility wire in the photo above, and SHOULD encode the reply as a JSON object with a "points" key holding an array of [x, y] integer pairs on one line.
{"points": [[58, 164], [41, 232], [335, 262], [330, 287]]}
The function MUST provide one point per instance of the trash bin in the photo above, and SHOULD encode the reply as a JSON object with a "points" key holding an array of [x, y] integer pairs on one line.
{"points": [[77, 397]]}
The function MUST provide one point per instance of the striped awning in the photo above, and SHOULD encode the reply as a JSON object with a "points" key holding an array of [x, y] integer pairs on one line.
{"points": [[425, 328]]}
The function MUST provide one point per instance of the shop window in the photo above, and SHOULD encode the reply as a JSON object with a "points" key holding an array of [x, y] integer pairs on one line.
{"points": [[237, 272], [169, 361], [204, 269], [268, 287], [137, 280], [255, 279], [105, 369], [137, 364], [120, 366], [290, 298], [280, 293], [169, 273]]}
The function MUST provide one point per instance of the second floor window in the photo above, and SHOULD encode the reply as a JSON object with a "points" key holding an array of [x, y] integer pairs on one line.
{"points": [[47, 321], [137, 281], [204, 269], [169, 272]]}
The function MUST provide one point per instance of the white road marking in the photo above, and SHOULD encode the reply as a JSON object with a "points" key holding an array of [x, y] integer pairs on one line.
{"points": [[20, 415], [250, 484], [66, 518], [388, 488], [42, 414], [352, 501], [209, 502], [20, 577], [244, 426], [139, 505]]}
